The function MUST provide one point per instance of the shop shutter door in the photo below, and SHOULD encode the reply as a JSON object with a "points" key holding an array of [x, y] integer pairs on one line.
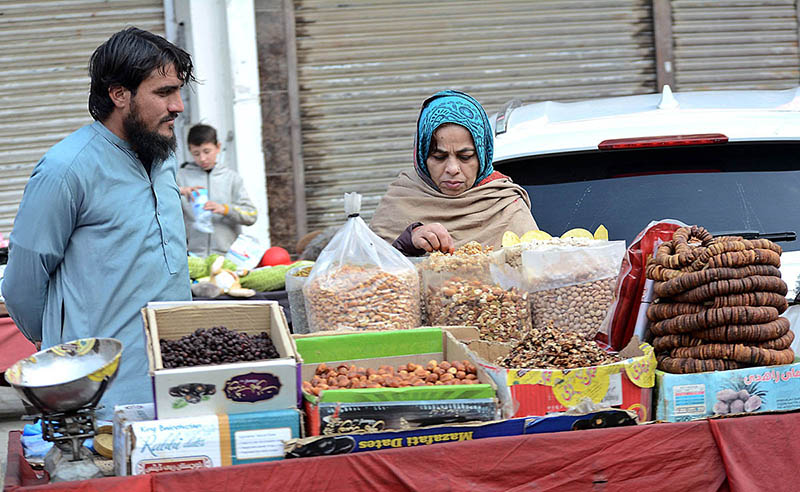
{"points": [[725, 44], [44, 82], [365, 67]]}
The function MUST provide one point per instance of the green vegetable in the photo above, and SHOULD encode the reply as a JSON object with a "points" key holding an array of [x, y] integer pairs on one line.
{"points": [[197, 267], [226, 265], [269, 278], [265, 279]]}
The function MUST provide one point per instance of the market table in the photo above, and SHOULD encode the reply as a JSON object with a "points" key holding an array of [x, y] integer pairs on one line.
{"points": [[737, 454]]}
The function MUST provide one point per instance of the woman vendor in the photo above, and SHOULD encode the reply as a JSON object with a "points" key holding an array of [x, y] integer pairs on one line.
{"points": [[455, 196]]}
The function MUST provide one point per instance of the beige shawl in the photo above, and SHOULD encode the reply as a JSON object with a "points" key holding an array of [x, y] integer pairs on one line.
{"points": [[482, 213]]}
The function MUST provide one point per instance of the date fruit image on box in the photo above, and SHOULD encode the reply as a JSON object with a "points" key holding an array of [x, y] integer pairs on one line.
{"points": [[191, 393], [739, 398]]}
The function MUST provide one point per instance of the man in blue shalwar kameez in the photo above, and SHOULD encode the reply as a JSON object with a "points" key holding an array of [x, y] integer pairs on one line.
{"points": [[99, 232]]}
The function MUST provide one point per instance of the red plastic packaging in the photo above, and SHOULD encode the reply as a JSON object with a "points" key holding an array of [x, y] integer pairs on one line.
{"points": [[631, 282]]}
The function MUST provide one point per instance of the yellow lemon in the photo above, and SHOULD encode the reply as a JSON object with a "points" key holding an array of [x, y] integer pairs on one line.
{"points": [[534, 235], [510, 238], [601, 233], [577, 232]]}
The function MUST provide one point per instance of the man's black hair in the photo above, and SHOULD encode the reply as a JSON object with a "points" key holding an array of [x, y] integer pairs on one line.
{"points": [[201, 134], [126, 59]]}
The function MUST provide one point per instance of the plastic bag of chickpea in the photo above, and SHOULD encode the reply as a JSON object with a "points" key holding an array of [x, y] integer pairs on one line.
{"points": [[572, 286], [361, 282], [462, 289]]}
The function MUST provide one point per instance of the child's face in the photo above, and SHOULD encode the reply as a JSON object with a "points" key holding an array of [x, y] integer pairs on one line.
{"points": [[205, 155]]}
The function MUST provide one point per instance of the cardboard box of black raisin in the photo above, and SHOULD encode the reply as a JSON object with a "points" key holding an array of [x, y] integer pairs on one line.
{"points": [[232, 388]]}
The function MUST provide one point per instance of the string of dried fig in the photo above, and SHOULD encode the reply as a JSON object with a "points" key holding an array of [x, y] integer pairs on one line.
{"points": [[719, 303]]}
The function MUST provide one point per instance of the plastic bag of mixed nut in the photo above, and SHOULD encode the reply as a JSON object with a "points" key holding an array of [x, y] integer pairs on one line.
{"points": [[571, 286], [361, 282], [459, 289]]}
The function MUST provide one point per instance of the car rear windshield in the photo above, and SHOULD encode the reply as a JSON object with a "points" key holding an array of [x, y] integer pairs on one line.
{"points": [[726, 188]]}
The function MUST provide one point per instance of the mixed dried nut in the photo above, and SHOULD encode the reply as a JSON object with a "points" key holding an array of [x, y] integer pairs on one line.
{"points": [[500, 315], [550, 348], [458, 290], [362, 297], [434, 373]]}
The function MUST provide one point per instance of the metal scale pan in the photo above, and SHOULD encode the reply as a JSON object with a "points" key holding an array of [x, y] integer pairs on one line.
{"points": [[68, 376]]}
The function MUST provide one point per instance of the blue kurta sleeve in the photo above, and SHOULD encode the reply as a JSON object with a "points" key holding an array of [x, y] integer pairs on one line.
{"points": [[42, 229]]}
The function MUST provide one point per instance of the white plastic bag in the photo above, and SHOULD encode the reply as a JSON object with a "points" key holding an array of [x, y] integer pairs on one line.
{"points": [[360, 281], [572, 286], [246, 251], [202, 217]]}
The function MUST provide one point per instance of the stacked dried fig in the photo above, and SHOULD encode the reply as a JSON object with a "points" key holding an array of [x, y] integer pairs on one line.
{"points": [[433, 373], [719, 303]]}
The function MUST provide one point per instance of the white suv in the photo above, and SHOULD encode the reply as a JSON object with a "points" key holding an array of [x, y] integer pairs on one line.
{"points": [[726, 160]]}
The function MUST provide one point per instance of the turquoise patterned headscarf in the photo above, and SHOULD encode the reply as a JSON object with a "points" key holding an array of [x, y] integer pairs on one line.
{"points": [[461, 109]]}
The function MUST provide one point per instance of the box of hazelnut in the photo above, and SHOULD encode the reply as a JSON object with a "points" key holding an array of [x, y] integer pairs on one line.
{"points": [[401, 379], [215, 357], [550, 370]]}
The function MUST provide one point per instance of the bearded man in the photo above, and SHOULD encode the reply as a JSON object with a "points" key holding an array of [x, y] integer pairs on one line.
{"points": [[99, 232]]}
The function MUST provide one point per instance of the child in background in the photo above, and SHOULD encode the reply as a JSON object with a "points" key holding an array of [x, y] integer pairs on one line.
{"points": [[227, 198]]}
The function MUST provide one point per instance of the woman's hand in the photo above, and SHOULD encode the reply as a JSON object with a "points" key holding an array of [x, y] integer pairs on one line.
{"points": [[432, 237], [215, 207], [187, 191]]}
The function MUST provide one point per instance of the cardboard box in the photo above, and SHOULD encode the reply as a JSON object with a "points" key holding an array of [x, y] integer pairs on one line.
{"points": [[240, 387], [376, 348], [124, 416], [156, 446], [683, 397], [524, 392], [356, 443], [340, 418]]}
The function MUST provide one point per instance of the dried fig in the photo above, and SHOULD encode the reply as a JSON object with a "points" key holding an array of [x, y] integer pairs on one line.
{"points": [[721, 408], [743, 395], [737, 406]]}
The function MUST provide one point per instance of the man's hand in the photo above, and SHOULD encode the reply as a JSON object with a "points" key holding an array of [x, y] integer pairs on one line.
{"points": [[215, 207], [187, 191], [432, 237]]}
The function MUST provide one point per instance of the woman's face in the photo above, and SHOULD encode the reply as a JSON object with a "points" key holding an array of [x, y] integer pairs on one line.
{"points": [[452, 160]]}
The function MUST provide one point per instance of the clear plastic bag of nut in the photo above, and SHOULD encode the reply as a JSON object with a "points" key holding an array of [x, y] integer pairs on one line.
{"points": [[460, 289], [361, 282], [571, 286]]}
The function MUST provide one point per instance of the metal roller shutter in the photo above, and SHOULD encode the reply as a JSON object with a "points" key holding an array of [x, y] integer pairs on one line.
{"points": [[736, 44], [365, 67], [44, 85]]}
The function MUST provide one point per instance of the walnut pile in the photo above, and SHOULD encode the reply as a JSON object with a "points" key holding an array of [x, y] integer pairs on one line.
{"points": [[551, 348]]}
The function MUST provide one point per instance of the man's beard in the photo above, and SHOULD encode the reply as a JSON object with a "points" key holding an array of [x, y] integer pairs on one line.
{"points": [[150, 146]]}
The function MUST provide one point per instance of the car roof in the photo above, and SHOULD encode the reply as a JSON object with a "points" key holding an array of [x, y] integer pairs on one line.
{"points": [[552, 127]]}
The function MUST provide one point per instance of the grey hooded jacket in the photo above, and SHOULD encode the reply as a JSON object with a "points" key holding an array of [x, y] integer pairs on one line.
{"points": [[224, 187]]}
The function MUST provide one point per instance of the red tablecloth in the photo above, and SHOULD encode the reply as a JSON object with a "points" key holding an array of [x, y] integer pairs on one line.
{"points": [[13, 345], [740, 454]]}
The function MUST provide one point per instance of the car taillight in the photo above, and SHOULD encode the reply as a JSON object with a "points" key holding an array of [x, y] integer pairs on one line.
{"points": [[663, 141]]}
